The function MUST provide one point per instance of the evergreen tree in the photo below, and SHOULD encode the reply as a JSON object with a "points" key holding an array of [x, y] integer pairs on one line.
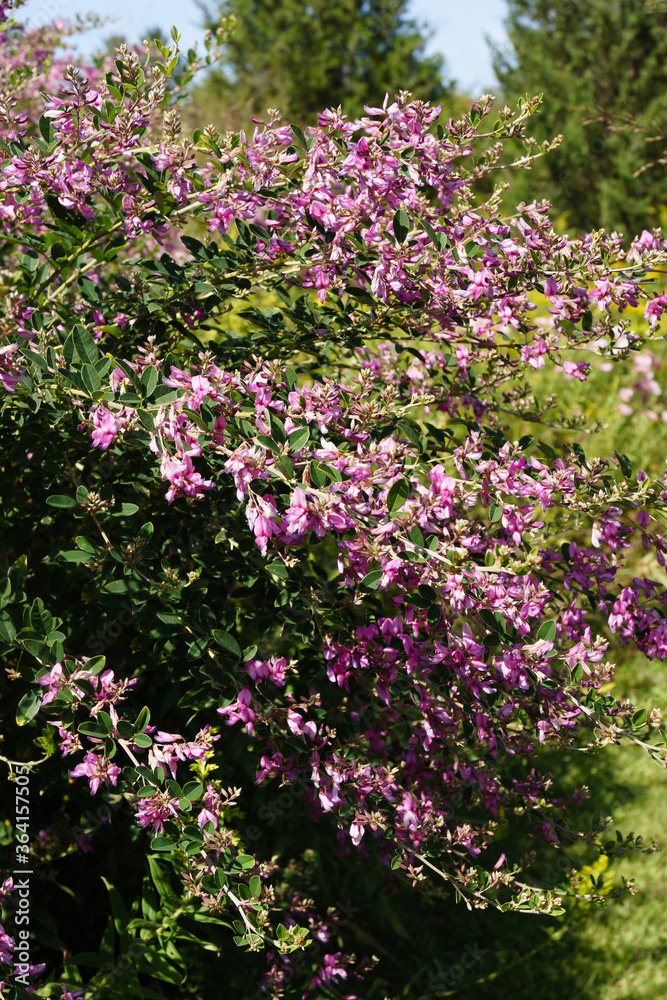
{"points": [[300, 56], [602, 66]]}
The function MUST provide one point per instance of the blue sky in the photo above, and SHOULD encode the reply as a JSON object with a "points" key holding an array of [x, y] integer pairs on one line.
{"points": [[460, 28]]}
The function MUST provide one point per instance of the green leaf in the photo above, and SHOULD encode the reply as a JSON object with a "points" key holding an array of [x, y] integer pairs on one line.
{"points": [[38, 649], [243, 862], [371, 580], [298, 438], [439, 239], [7, 627], [121, 917], [149, 379], [401, 225], [92, 729], [160, 879], [28, 707], [197, 649], [490, 620], [278, 569], [129, 372], [146, 531], [168, 618], [57, 500], [269, 443], [639, 718], [227, 643], [105, 720], [162, 844], [75, 556], [196, 248], [142, 720], [317, 477], [90, 290], [86, 347], [125, 509], [86, 545], [397, 496], [156, 965], [416, 537], [143, 740], [47, 129], [433, 615], [40, 619], [96, 665], [625, 464], [547, 631], [192, 790], [91, 379], [408, 432], [300, 136]]}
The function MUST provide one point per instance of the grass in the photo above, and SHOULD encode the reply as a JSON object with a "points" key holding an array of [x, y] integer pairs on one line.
{"points": [[623, 950], [620, 952]]}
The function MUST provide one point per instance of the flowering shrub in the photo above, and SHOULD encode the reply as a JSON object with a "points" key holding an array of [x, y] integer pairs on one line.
{"points": [[265, 535]]}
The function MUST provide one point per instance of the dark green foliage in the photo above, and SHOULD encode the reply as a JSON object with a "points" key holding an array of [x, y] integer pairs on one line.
{"points": [[602, 67], [301, 57]]}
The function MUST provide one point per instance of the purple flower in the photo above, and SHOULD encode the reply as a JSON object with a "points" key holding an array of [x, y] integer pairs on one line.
{"points": [[98, 770]]}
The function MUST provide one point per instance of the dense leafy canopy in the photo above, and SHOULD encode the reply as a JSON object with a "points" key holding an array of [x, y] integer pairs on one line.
{"points": [[602, 67], [301, 57], [291, 625]]}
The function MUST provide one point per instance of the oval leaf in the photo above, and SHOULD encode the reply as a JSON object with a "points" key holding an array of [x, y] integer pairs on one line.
{"points": [[28, 707], [401, 226], [227, 643], [397, 496], [60, 501]]}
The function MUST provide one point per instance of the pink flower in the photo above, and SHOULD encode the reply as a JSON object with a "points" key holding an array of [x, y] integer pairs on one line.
{"points": [[170, 748], [105, 428], [240, 711], [273, 670], [579, 370], [262, 516], [297, 725], [654, 309], [301, 516], [356, 833], [98, 770], [183, 478], [155, 809]]}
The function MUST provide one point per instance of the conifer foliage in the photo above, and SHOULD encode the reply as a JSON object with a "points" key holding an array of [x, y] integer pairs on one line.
{"points": [[301, 56], [602, 67]]}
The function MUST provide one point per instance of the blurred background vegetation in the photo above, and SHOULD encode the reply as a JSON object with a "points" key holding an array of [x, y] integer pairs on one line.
{"points": [[602, 67]]}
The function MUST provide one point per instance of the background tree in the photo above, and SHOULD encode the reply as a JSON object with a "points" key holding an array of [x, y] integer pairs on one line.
{"points": [[602, 66], [301, 56]]}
